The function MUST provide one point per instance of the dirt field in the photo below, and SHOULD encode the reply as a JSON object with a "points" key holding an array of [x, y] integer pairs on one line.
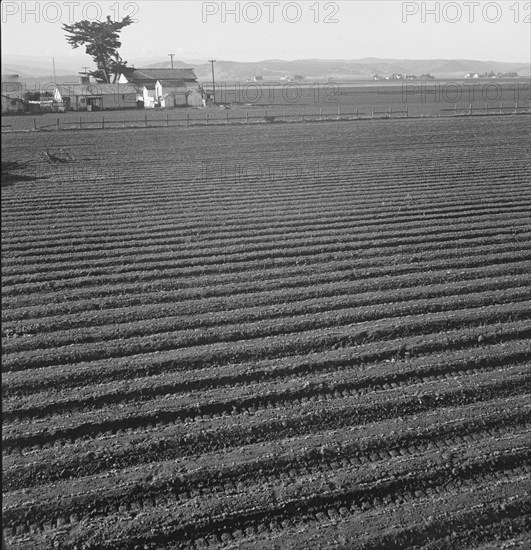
{"points": [[282, 336]]}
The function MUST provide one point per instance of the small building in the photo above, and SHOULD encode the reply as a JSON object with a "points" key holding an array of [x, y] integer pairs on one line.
{"points": [[12, 103], [96, 97], [472, 75], [151, 95], [12, 95], [180, 96]]}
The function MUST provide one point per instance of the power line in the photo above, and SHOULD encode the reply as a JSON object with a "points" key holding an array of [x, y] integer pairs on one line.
{"points": [[212, 61]]}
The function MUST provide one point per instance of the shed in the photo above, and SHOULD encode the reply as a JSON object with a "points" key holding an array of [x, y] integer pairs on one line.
{"points": [[12, 103]]}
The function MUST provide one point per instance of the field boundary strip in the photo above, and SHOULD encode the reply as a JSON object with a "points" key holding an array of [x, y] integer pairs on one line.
{"points": [[265, 118]]}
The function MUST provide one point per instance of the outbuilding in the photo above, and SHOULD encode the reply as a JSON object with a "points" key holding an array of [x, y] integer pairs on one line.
{"points": [[96, 97]]}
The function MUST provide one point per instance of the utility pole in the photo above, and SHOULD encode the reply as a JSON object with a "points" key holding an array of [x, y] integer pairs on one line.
{"points": [[212, 61], [171, 56]]}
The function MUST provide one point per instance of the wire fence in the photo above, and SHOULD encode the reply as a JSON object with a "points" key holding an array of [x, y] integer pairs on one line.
{"points": [[69, 121]]}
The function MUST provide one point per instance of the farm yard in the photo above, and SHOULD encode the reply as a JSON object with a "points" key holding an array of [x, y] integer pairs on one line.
{"points": [[280, 336], [254, 103]]}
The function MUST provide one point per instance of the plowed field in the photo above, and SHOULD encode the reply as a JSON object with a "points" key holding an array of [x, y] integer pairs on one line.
{"points": [[291, 336]]}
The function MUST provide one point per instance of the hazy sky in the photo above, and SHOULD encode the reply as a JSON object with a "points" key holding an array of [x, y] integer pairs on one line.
{"points": [[198, 30]]}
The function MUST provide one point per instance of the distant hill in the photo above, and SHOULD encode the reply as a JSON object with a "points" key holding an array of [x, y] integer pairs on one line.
{"points": [[39, 69], [347, 69]]}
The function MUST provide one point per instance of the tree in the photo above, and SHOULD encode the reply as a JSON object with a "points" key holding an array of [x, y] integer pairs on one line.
{"points": [[102, 42]]}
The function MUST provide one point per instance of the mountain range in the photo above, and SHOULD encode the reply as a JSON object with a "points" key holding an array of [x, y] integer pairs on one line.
{"points": [[39, 69]]}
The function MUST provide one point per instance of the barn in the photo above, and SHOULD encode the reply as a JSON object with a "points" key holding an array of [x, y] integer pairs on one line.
{"points": [[167, 88]]}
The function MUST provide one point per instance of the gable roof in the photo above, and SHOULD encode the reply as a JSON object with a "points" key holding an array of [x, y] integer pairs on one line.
{"points": [[141, 76]]}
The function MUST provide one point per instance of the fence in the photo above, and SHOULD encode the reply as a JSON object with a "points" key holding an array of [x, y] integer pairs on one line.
{"points": [[486, 110], [239, 116]]}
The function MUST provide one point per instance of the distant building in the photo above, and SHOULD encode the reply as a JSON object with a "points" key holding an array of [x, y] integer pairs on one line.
{"points": [[471, 75]]}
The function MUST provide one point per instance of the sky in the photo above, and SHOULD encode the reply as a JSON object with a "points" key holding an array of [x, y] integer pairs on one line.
{"points": [[197, 30]]}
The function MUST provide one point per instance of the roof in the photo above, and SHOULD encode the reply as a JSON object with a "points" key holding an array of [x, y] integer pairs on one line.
{"points": [[11, 96], [173, 83], [141, 76], [96, 89]]}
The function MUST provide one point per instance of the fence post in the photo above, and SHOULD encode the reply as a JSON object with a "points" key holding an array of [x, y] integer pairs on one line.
{"points": [[103, 122], [188, 118], [372, 112], [145, 120], [320, 113], [486, 108], [167, 119], [35, 123], [207, 117], [389, 112], [357, 111], [455, 109], [58, 125], [407, 111], [469, 109], [501, 107], [80, 123], [124, 120], [515, 107], [227, 117]]}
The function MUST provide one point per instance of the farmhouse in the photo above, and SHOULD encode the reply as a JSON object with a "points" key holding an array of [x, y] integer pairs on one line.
{"points": [[164, 87]]}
